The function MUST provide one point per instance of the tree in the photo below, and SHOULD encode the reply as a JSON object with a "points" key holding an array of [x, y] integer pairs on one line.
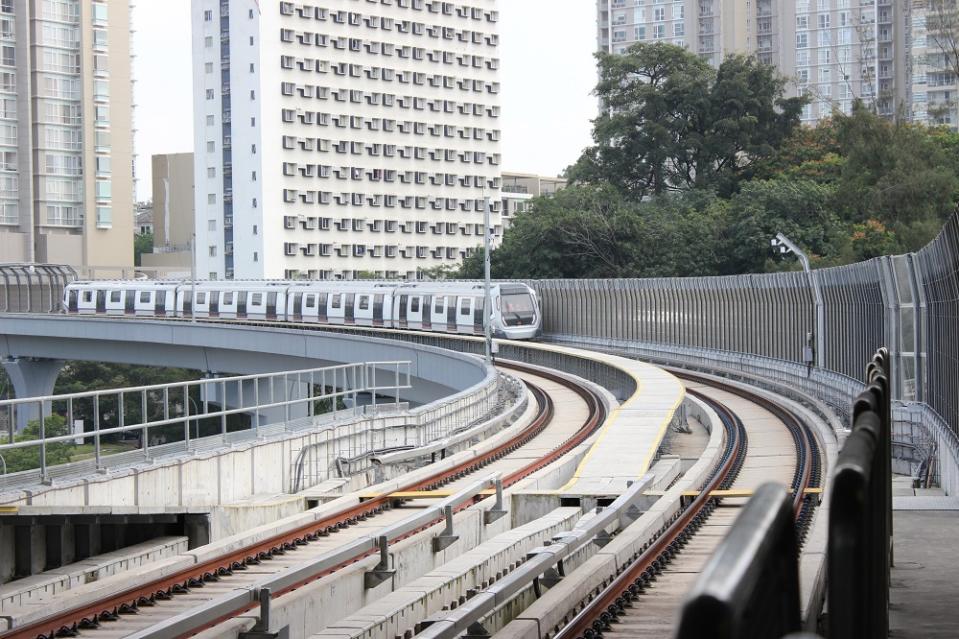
{"points": [[671, 122], [27, 458], [141, 244]]}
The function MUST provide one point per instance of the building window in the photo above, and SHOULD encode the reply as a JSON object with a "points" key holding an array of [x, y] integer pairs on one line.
{"points": [[211, 171], [209, 94], [104, 217], [211, 147], [103, 165], [104, 188], [210, 120], [208, 16], [211, 198], [213, 251], [100, 13], [211, 225]]}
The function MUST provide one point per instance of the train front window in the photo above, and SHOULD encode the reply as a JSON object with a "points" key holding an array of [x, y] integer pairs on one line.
{"points": [[517, 308]]}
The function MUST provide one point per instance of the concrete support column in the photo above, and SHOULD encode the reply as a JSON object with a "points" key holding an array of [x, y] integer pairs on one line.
{"points": [[197, 528], [57, 544], [24, 549], [86, 539], [31, 377]]}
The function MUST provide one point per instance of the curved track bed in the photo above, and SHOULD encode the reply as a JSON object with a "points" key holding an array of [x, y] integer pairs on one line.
{"points": [[763, 441], [143, 603]]}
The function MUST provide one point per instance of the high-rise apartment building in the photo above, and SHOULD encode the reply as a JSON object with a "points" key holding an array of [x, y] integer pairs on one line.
{"points": [[341, 138], [833, 50], [66, 140]]}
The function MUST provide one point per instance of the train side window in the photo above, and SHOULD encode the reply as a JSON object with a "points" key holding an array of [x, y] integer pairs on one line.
{"points": [[227, 299], [201, 298], [414, 305], [335, 300], [310, 301], [464, 306], [87, 296], [364, 302], [257, 299], [439, 305], [114, 296], [145, 297]]}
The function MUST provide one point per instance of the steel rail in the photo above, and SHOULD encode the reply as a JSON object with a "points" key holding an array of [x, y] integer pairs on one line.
{"points": [[88, 616]]}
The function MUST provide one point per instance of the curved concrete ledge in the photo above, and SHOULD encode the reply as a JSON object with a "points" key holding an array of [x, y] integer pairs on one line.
{"points": [[240, 349]]}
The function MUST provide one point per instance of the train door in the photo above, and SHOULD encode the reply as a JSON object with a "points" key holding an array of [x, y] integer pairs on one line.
{"points": [[439, 312], [271, 305], [129, 302], [349, 314], [479, 303], [415, 314], [241, 304], [378, 310], [464, 323], [404, 300], [322, 315], [187, 303], [159, 308], [450, 314], [297, 307], [72, 302], [309, 307], [427, 310], [101, 301], [214, 303], [256, 307], [363, 313]]}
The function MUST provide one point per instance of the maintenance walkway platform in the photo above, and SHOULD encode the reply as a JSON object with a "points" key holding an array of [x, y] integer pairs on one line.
{"points": [[924, 574], [625, 446]]}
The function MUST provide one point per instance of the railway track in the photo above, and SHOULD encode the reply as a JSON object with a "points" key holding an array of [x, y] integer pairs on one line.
{"points": [[645, 598], [148, 603]]}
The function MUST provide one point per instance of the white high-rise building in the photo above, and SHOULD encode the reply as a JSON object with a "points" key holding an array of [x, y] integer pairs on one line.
{"points": [[833, 50], [343, 138]]}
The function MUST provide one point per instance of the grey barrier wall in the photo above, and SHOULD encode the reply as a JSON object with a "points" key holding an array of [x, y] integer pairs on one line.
{"points": [[907, 303], [33, 289]]}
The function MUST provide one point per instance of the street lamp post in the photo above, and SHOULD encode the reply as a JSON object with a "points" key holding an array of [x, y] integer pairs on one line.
{"points": [[193, 280], [488, 304], [785, 245]]}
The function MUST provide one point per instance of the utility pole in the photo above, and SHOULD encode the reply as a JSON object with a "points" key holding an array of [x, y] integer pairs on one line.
{"points": [[786, 245], [488, 305], [193, 279]]}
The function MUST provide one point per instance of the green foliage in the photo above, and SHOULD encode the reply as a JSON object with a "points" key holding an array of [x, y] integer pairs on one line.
{"points": [[141, 244], [27, 458], [673, 123]]}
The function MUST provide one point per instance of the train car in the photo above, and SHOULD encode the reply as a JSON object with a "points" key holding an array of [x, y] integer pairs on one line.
{"points": [[137, 297], [444, 307], [233, 300]]}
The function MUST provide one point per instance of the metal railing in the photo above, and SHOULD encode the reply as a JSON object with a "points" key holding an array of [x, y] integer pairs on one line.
{"points": [[750, 586], [860, 516], [245, 402]]}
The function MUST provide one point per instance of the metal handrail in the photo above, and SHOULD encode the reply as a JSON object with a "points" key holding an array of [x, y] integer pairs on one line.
{"points": [[453, 623], [344, 379], [241, 599]]}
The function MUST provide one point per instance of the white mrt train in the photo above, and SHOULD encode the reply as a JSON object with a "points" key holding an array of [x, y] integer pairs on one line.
{"points": [[445, 307]]}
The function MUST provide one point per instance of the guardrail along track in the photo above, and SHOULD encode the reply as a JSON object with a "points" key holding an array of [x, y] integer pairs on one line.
{"points": [[234, 570], [658, 579]]}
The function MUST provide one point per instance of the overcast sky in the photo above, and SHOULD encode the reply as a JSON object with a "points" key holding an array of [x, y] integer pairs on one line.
{"points": [[547, 74]]}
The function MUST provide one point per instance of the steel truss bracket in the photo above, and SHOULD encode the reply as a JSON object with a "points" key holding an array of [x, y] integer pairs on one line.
{"points": [[497, 510], [382, 571], [261, 629], [446, 538]]}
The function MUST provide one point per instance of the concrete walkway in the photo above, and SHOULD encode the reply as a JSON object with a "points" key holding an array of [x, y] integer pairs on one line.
{"points": [[925, 579]]}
